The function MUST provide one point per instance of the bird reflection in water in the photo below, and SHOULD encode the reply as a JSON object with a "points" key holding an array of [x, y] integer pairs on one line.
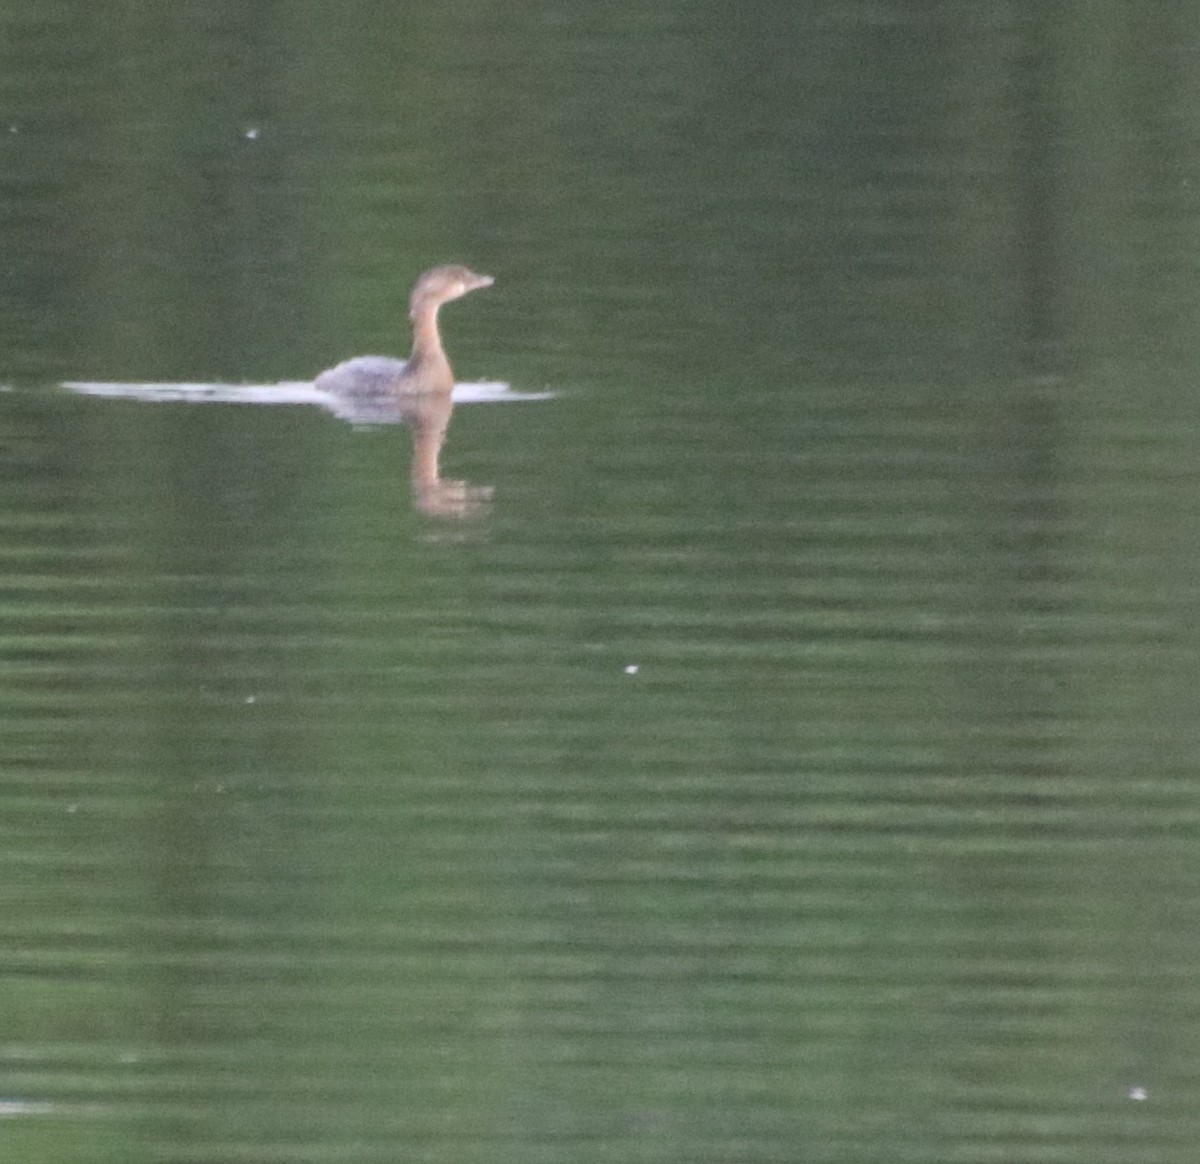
{"points": [[427, 415]]}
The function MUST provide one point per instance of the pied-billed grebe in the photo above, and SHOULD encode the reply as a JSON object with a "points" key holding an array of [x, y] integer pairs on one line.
{"points": [[416, 391], [427, 370]]}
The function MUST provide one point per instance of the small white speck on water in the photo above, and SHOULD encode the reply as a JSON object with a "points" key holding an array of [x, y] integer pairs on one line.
{"points": [[251, 698], [1138, 1093], [632, 669], [251, 134], [14, 129]]}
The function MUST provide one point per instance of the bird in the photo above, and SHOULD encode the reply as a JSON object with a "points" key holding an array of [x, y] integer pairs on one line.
{"points": [[416, 391]]}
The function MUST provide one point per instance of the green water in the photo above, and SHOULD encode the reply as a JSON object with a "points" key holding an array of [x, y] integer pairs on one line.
{"points": [[797, 762]]}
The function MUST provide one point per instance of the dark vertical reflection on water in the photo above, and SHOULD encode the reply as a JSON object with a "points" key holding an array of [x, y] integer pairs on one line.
{"points": [[1041, 209]]}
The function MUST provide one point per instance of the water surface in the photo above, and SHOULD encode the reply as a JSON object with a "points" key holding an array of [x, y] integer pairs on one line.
{"points": [[796, 761]]}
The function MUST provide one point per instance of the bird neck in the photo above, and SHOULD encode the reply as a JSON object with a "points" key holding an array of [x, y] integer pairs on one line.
{"points": [[428, 369], [427, 342]]}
